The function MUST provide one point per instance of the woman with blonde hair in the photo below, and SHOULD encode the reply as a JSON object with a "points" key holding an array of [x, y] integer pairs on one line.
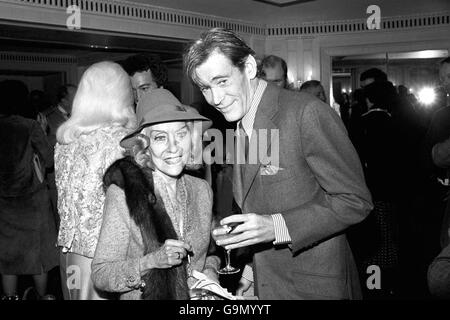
{"points": [[88, 143]]}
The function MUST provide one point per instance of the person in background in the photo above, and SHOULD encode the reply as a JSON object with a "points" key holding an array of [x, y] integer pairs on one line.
{"points": [[372, 75], [440, 151], [146, 72], [315, 88], [437, 174], [375, 240], [61, 111], [316, 189], [88, 142], [274, 69], [27, 228], [40, 103], [155, 214]]}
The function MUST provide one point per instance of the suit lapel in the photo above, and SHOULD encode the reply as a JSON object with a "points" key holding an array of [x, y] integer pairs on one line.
{"points": [[267, 109]]}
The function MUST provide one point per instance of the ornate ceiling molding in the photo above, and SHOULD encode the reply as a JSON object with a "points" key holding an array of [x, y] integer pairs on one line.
{"points": [[143, 19]]}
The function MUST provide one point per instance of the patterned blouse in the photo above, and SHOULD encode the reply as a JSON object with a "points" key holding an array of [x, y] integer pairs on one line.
{"points": [[79, 170]]}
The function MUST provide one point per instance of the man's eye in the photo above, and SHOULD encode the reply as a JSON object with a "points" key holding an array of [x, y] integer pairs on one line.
{"points": [[223, 82], [159, 138]]}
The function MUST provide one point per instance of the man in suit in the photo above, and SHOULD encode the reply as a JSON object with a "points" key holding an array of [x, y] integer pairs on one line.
{"points": [[294, 214], [61, 111]]}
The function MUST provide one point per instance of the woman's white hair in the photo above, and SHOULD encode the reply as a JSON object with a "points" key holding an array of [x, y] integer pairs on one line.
{"points": [[104, 97]]}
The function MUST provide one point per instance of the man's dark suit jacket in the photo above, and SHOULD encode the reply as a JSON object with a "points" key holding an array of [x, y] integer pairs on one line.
{"points": [[320, 191], [54, 118]]}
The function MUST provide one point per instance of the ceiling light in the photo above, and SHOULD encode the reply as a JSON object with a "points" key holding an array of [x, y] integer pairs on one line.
{"points": [[426, 95]]}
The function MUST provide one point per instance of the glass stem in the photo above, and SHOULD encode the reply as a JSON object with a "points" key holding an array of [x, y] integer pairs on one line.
{"points": [[227, 260]]}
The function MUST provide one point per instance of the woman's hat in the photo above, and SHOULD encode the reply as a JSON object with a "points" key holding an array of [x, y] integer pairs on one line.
{"points": [[159, 106]]}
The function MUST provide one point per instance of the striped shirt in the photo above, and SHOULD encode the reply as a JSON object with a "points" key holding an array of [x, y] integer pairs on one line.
{"points": [[281, 231]]}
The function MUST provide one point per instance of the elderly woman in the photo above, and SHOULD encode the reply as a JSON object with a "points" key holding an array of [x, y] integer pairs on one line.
{"points": [[88, 143], [157, 220]]}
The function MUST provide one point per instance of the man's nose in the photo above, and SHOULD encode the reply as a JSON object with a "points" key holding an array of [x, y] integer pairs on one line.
{"points": [[216, 96]]}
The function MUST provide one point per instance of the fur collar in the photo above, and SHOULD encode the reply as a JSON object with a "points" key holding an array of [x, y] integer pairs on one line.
{"points": [[148, 212]]}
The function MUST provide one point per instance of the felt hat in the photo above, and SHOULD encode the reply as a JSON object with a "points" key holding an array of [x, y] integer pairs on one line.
{"points": [[159, 106]]}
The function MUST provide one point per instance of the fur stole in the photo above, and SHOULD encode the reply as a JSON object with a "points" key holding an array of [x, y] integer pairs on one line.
{"points": [[148, 212]]}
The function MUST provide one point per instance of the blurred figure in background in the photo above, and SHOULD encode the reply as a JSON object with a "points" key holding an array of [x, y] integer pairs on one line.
{"points": [[372, 75], [274, 69], [438, 176], [61, 111], [440, 151], [315, 88], [88, 143], [358, 107], [146, 72], [40, 103], [375, 240], [27, 228]]}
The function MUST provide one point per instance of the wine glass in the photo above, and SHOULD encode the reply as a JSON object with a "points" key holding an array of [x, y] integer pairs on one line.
{"points": [[228, 269]]}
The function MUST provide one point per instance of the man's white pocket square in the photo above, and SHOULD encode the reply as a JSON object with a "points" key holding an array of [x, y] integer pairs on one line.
{"points": [[269, 170]]}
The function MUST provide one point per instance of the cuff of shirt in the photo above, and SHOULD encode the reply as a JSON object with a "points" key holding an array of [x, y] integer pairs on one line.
{"points": [[281, 231], [248, 273]]}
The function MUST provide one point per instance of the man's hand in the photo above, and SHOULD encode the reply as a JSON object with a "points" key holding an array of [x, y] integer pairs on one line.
{"points": [[254, 228]]}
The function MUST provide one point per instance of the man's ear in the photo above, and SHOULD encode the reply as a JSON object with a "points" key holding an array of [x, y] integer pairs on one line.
{"points": [[251, 67]]}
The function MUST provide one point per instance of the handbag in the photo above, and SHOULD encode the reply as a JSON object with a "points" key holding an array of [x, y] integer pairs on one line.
{"points": [[40, 173]]}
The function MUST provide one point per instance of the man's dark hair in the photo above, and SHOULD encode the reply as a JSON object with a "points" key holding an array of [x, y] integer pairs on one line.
{"points": [[446, 60], [63, 91], [382, 94], [223, 40], [143, 62], [310, 84], [373, 73], [272, 61]]}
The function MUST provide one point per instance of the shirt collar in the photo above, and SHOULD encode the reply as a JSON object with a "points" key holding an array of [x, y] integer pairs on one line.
{"points": [[249, 118]]}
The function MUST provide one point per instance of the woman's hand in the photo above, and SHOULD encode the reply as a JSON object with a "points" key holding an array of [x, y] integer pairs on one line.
{"points": [[243, 287], [211, 274], [170, 254]]}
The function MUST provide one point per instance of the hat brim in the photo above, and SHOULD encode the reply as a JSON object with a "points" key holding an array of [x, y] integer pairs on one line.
{"points": [[129, 141]]}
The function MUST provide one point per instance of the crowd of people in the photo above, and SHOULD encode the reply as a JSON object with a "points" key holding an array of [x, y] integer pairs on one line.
{"points": [[112, 173]]}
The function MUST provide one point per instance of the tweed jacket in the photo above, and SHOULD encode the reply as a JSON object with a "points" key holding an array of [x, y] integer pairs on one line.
{"points": [[320, 191], [115, 267]]}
